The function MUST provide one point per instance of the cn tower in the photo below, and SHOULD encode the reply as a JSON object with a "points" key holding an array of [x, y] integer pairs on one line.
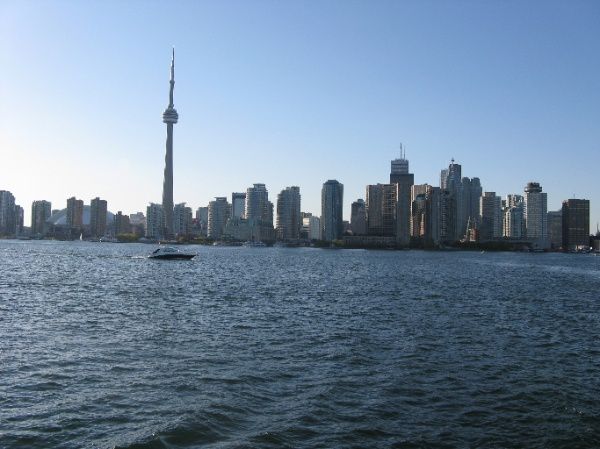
{"points": [[170, 117]]}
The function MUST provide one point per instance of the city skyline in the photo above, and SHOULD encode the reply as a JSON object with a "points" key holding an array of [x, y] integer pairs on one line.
{"points": [[238, 131]]}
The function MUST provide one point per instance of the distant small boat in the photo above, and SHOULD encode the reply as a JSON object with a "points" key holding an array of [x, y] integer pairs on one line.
{"points": [[168, 252], [258, 244]]}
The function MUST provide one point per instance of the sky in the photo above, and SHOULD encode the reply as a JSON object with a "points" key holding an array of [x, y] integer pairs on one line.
{"points": [[296, 93]]}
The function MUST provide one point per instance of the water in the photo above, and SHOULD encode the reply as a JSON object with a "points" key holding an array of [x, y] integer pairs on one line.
{"points": [[297, 348]]}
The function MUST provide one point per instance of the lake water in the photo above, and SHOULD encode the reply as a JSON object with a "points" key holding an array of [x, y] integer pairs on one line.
{"points": [[296, 348]]}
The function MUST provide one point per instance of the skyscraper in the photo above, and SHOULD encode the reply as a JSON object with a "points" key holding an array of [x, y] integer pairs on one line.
{"points": [[555, 235], [535, 213], [382, 209], [575, 224], [491, 217], [289, 220], [155, 219], [74, 215], [358, 217], [122, 224], [238, 205], [219, 211], [40, 212], [513, 221], [452, 203], [332, 198], [257, 204], [399, 175], [7, 213], [98, 209], [170, 117], [182, 220]]}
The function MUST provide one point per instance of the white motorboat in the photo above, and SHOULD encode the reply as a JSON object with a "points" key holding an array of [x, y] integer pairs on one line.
{"points": [[168, 252]]}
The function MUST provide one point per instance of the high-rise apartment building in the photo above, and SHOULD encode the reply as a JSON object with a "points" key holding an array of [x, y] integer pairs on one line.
{"points": [[555, 235], [513, 226], [289, 220], [535, 213], [238, 205], [40, 213], [332, 198], [381, 209], [202, 220], [155, 221], [98, 209], [491, 217], [122, 224], [575, 224], [7, 213], [19, 219], [400, 176], [358, 217], [182, 220], [219, 212], [258, 206], [74, 214]]}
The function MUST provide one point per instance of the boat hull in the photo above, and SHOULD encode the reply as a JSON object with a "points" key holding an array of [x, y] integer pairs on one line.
{"points": [[173, 257]]}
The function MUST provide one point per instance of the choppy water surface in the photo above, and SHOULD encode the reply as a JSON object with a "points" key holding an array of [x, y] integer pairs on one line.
{"points": [[299, 348]]}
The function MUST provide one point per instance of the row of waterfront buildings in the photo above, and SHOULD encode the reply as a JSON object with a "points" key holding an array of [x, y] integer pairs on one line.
{"points": [[397, 214]]}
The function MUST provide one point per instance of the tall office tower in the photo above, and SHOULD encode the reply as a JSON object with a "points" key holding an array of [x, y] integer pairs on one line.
{"points": [[575, 224], [7, 213], [257, 204], [491, 217], [40, 212], [74, 214], [182, 220], [452, 203], [170, 117], [468, 204], [332, 203], [122, 224], [418, 216], [399, 175], [238, 205], [448, 209], [475, 195], [358, 217], [381, 209], [155, 219], [289, 220], [555, 235], [219, 212], [451, 177], [98, 209], [433, 215], [535, 209]]}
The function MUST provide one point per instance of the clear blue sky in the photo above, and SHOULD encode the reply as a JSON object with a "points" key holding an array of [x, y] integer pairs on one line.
{"points": [[295, 93]]}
